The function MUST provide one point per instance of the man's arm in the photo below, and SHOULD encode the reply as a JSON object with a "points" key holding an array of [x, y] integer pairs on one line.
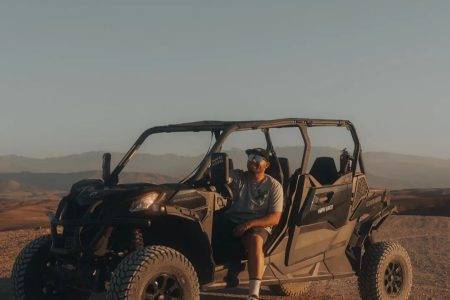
{"points": [[273, 216], [269, 220]]}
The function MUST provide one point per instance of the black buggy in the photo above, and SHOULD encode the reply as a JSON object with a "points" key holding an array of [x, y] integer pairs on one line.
{"points": [[147, 241]]}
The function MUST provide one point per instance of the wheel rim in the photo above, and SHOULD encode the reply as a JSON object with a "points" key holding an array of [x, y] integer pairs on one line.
{"points": [[393, 278], [163, 287]]}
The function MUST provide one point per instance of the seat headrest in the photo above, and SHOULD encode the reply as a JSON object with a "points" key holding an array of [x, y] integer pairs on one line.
{"points": [[324, 170]]}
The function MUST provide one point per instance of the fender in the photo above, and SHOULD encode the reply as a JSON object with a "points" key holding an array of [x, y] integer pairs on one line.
{"points": [[362, 235]]}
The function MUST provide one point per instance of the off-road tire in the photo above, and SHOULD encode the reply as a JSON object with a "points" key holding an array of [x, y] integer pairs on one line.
{"points": [[135, 271], [27, 273], [375, 264], [290, 289]]}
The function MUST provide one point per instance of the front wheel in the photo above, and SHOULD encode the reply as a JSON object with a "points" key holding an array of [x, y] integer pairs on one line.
{"points": [[155, 272], [386, 272], [34, 277]]}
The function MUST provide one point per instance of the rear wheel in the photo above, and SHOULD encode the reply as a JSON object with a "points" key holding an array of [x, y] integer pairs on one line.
{"points": [[34, 276], [155, 272], [290, 289], [386, 272]]}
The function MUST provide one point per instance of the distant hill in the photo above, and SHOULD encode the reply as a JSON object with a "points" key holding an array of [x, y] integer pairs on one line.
{"points": [[408, 171], [27, 181], [393, 170], [167, 164], [9, 185]]}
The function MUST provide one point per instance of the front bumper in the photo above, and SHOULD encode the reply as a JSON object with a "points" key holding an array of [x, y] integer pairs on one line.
{"points": [[87, 236]]}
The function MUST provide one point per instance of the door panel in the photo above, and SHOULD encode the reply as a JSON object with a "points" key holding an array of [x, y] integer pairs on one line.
{"points": [[327, 203], [312, 240], [323, 212]]}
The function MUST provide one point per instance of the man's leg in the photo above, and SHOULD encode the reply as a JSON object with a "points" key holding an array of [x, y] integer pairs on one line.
{"points": [[224, 247], [254, 242], [220, 236], [254, 245]]}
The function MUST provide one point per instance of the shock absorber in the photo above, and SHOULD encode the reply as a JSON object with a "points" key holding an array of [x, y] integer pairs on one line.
{"points": [[137, 241]]}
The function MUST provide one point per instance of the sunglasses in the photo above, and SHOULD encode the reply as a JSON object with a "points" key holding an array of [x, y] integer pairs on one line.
{"points": [[255, 158]]}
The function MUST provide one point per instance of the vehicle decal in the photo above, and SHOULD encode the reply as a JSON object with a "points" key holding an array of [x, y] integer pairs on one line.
{"points": [[325, 209]]}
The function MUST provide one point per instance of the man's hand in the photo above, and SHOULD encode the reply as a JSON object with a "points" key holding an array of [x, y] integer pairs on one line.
{"points": [[269, 220], [241, 229]]}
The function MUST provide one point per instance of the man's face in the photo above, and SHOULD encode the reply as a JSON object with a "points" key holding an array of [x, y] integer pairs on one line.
{"points": [[256, 164]]}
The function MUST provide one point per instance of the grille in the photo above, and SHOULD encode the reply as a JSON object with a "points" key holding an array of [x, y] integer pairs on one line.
{"points": [[362, 190], [69, 242], [81, 235]]}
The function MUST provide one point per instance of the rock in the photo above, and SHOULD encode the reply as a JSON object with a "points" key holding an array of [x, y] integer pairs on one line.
{"points": [[9, 186]]}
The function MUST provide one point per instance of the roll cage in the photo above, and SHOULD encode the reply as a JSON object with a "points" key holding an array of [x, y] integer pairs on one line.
{"points": [[222, 129]]}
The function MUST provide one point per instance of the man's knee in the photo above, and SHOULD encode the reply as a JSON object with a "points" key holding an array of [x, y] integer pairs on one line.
{"points": [[253, 243]]}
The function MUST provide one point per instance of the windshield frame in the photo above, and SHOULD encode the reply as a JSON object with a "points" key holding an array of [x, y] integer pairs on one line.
{"points": [[220, 136]]}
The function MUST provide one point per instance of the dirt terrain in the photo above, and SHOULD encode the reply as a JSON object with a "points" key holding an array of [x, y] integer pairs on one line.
{"points": [[24, 209], [423, 228]]}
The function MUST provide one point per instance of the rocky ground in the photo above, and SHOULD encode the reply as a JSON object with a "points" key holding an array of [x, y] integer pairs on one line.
{"points": [[427, 239]]}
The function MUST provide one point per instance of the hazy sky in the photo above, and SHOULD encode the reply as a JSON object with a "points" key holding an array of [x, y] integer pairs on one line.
{"points": [[91, 75]]}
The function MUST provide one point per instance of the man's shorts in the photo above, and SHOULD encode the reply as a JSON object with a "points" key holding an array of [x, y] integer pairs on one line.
{"points": [[225, 244], [262, 232], [224, 227]]}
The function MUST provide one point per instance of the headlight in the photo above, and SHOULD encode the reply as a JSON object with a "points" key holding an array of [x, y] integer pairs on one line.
{"points": [[145, 202], [59, 229]]}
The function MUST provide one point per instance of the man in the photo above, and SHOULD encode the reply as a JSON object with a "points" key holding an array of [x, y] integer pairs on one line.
{"points": [[256, 207]]}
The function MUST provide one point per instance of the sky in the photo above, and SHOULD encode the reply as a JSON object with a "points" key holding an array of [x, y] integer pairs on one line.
{"points": [[81, 76]]}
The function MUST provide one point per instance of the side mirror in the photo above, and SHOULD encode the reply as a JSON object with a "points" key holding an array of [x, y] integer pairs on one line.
{"points": [[106, 166], [220, 168]]}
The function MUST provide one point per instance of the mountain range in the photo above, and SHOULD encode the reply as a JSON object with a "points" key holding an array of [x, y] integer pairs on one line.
{"points": [[396, 171]]}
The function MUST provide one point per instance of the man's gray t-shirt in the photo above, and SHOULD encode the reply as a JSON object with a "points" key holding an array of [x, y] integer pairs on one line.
{"points": [[253, 200]]}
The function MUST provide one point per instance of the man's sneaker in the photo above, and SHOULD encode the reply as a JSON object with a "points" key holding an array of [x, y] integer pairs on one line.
{"points": [[234, 268], [231, 280]]}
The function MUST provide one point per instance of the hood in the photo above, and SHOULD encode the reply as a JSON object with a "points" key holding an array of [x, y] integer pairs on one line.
{"points": [[88, 190]]}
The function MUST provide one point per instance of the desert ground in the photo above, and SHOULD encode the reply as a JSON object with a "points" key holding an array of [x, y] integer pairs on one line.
{"points": [[422, 227]]}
